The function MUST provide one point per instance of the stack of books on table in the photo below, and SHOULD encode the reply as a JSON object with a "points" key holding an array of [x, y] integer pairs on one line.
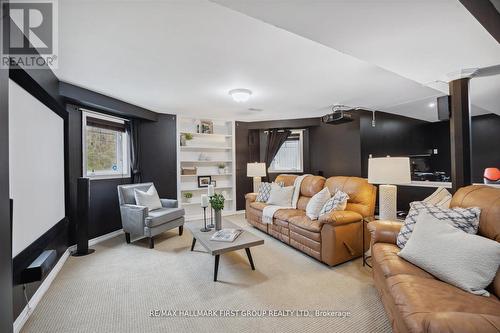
{"points": [[226, 235]]}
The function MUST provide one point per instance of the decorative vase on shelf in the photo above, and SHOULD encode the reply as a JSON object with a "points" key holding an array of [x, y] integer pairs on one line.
{"points": [[218, 219]]}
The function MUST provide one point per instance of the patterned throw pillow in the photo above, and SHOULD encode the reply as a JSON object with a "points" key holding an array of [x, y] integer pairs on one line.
{"points": [[337, 202], [265, 191], [441, 197], [465, 219]]}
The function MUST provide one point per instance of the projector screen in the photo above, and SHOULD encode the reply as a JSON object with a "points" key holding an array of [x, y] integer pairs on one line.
{"points": [[36, 167]]}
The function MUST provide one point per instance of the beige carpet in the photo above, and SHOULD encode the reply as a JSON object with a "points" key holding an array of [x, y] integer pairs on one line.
{"points": [[115, 289]]}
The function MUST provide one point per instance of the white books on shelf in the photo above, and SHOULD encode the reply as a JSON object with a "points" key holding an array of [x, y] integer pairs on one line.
{"points": [[226, 235]]}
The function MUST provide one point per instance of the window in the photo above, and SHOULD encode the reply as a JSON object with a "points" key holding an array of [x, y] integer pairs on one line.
{"points": [[290, 156], [105, 146]]}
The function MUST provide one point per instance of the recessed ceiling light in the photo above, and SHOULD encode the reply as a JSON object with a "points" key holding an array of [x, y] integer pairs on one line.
{"points": [[255, 109], [240, 95], [432, 104]]}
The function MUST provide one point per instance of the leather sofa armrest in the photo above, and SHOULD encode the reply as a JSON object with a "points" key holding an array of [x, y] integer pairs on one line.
{"points": [[169, 203], [384, 231], [250, 197], [340, 217]]}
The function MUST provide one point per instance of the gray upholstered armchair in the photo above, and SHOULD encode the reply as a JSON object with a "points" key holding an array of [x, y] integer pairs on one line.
{"points": [[139, 222]]}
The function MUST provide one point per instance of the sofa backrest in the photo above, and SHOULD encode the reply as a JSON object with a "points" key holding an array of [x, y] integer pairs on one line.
{"points": [[362, 195], [488, 199], [309, 187], [126, 194], [287, 180]]}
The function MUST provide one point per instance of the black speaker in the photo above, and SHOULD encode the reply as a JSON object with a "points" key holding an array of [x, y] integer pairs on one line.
{"points": [[443, 107], [82, 222]]}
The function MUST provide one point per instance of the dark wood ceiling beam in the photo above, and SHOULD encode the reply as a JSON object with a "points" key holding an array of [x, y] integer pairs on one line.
{"points": [[486, 13]]}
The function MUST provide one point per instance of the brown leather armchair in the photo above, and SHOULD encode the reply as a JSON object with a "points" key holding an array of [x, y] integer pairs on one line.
{"points": [[418, 302], [334, 238]]}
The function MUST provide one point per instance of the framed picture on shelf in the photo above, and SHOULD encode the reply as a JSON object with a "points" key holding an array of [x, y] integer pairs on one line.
{"points": [[213, 182], [204, 181], [207, 126]]}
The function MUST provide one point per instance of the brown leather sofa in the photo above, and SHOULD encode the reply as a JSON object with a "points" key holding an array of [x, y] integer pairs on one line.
{"points": [[334, 238], [414, 299]]}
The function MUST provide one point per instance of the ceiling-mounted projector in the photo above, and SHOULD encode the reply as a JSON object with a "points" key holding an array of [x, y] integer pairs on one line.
{"points": [[340, 114]]}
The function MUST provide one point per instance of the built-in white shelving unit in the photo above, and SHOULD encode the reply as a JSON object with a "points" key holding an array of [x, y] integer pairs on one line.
{"points": [[205, 152]]}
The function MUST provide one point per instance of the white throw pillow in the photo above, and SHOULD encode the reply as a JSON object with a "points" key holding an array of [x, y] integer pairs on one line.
{"points": [[280, 196], [337, 202], [469, 262], [440, 197], [149, 199], [316, 203]]}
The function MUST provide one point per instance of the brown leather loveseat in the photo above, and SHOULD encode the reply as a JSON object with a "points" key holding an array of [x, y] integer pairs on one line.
{"points": [[414, 299], [334, 238]]}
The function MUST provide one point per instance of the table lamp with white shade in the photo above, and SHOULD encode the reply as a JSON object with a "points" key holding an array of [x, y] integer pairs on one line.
{"points": [[388, 172], [256, 170]]}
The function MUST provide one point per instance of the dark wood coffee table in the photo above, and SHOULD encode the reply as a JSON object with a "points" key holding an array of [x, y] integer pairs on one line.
{"points": [[244, 241]]}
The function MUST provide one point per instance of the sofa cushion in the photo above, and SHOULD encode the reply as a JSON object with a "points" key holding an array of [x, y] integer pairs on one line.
{"points": [[280, 196], [163, 215], [258, 205], [466, 219], [337, 202], [311, 185], [148, 198], [418, 297], [264, 192], [316, 203], [386, 257], [440, 197], [361, 194], [306, 223], [467, 261], [287, 214]]}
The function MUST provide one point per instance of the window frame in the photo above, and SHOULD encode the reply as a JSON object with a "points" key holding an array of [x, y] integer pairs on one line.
{"points": [[300, 132], [125, 147]]}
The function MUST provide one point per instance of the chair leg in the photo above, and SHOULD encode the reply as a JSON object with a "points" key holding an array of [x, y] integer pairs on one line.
{"points": [[151, 243], [181, 229], [127, 237]]}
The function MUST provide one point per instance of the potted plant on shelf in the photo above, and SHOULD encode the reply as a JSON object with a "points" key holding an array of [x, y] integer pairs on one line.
{"points": [[217, 203], [188, 196], [185, 137], [222, 168]]}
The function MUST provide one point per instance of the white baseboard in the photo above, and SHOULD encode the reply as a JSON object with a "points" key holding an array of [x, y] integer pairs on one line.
{"points": [[35, 299]]}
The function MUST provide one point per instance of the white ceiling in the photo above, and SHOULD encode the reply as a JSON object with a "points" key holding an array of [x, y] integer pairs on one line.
{"points": [[183, 57], [426, 41]]}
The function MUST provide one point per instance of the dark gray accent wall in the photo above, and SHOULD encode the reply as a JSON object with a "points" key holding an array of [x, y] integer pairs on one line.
{"points": [[104, 209], [392, 135], [6, 311], [102, 103], [335, 150], [330, 149], [158, 154]]}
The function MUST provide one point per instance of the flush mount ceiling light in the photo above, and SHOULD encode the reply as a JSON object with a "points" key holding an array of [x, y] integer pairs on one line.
{"points": [[431, 105], [240, 95]]}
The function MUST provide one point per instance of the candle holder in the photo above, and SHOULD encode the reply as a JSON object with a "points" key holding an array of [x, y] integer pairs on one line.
{"points": [[205, 229], [211, 225]]}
